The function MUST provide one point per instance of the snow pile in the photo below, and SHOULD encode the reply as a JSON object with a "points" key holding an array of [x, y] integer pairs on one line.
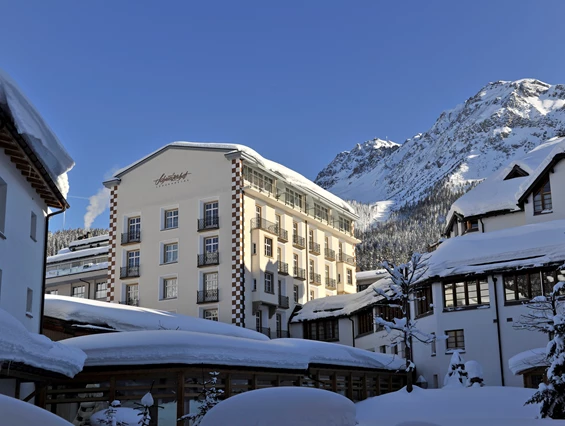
{"points": [[284, 406], [288, 175], [20, 413], [523, 246], [37, 134], [35, 350], [132, 318], [191, 348], [488, 405], [341, 305], [531, 358], [126, 415]]}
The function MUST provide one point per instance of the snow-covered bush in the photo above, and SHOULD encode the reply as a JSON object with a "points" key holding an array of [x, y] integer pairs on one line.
{"points": [[209, 397], [283, 406], [474, 374], [112, 416], [456, 375], [146, 403]]}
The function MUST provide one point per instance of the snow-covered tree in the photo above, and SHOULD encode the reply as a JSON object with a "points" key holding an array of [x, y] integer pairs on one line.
{"points": [[146, 403], [547, 316], [456, 374], [401, 293], [209, 397], [474, 372], [110, 414]]}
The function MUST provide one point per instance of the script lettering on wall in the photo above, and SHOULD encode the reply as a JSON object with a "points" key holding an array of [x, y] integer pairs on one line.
{"points": [[171, 179]]}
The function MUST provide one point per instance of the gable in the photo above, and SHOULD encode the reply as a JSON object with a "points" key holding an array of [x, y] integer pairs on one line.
{"points": [[516, 172]]}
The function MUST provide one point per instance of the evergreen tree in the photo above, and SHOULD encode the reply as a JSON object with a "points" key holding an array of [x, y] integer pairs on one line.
{"points": [[208, 397], [456, 374]]}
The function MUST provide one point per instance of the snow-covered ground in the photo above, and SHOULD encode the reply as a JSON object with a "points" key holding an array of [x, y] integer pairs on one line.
{"points": [[18, 413]]}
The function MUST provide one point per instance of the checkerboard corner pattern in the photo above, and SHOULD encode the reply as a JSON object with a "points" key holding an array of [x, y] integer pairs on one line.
{"points": [[238, 296], [110, 295]]}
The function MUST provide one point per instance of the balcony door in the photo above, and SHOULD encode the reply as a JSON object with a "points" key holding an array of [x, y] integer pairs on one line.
{"points": [[211, 246], [133, 262], [211, 214], [278, 318], [132, 294], [134, 228]]}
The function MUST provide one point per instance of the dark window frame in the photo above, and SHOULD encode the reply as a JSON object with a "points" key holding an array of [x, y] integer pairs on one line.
{"points": [[466, 287], [365, 322], [459, 336], [545, 286], [326, 330], [543, 205], [424, 296]]}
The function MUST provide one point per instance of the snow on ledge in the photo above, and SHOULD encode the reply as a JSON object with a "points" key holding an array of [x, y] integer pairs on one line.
{"points": [[531, 358], [132, 318], [36, 132], [185, 347], [19, 345]]}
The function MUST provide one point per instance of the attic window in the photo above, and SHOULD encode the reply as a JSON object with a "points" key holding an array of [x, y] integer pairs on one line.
{"points": [[542, 198], [472, 225], [516, 172]]}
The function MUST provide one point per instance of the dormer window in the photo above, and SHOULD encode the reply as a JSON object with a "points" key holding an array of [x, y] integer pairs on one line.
{"points": [[516, 172], [472, 225], [542, 198]]}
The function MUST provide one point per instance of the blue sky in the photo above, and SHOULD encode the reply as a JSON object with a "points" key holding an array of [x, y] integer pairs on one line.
{"points": [[299, 81]]}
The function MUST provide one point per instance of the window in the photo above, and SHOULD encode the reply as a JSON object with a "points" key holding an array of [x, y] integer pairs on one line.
{"points": [[311, 272], [133, 258], [320, 212], [324, 330], [171, 252], [254, 248], [542, 198], [278, 324], [311, 294], [134, 228], [3, 204], [269, 287], [169, 288], [344, 224], [279, 254], [257, 179], [171, 219], [211, 245], [455, 340], [254, 285], [526, 286], [294, 229], [466, 293], [132, 295], [365, 322], [295, 259], [29, 301], [293, 198], [278, 221], [326, 243], [349, 276], [382, 349], [258, 320], [258, 213], [472, 225], [433, 345], [211, 314], [211, 211], [311, 235], [340, 251], [388, 313], [78, 291], [296, 294], [33, 227], [327, 272], [424, 301], [101, 290], [268, 247], [211, 281]]}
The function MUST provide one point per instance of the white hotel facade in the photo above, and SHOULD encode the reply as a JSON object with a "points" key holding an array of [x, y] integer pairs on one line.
{"points": [[218, 232]]}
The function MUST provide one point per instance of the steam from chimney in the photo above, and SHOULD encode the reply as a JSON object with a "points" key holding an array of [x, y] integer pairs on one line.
{"points": [[98, 203]]}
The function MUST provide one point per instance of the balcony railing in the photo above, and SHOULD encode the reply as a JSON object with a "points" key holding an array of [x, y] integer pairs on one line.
{"points": [[299, 273], [208, 259], [131, 237], [129, 271], [283, 302], [207, 296], [282, 268], [331, 283], [315, 279], [265, 330], [283, 234], [264, 224], [279, 334], [298, 241], [130, 301], [208, 223], [313, 247], [329, 254], [347, 259]]}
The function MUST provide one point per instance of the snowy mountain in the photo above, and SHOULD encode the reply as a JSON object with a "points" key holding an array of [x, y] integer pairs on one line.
{"points": [[465, 145]]}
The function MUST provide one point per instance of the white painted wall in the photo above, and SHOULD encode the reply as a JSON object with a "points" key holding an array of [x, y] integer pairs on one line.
{"points": [[510, 220]]}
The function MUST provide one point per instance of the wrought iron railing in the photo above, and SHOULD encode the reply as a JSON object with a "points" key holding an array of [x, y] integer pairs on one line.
{"points": [[207, 296], [134, 301], [299, 273], [282, 268], [331, 283], [264, 224], [342, 257], [315, 279], [129, 271], [313, 247], [283, 302], [212, 222], [329, 254], [208, 259], [131, 237], [298, 241]]}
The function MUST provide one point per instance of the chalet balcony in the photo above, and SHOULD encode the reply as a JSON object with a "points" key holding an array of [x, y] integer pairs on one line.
{"points": [[282, 268], [298, 242], [264, 330], [208, 259], [350, 260], [331, 283], [131, 237], [208, 223], [313, 248], [283, 302], [130, 301], [315, 279], [299, 273], [207, 296], [279, 334], [129, 271], [265, 225], [329, 254]]}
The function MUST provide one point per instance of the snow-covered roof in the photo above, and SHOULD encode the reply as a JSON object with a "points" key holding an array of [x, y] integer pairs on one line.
{"points": [[132, 318], [286, 174], [519, 247], [496, 194], [35, 350], [192, 348], [526, 360], [16, 412], [341, 305], [367, 275], [36, 132], [92, 240], [68, 255]]}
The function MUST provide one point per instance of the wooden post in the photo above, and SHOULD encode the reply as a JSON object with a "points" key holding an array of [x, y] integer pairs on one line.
{"points": [[334, 382], [349, 390], [227, 390], [180, 397]]}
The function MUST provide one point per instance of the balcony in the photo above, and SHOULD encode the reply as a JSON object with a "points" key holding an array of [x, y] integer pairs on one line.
{"points": [[283, 302], [264, 330], [298, 242], [208, 259], [282, 234], [207, 296], [299, 273], [346, 259], [331, 283], [129, 271], [279, 334], [313, 247], [131, 237], [265, 225], [130, 301], [315, 279], [208, 223], [329, 254], [282, 268]]}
